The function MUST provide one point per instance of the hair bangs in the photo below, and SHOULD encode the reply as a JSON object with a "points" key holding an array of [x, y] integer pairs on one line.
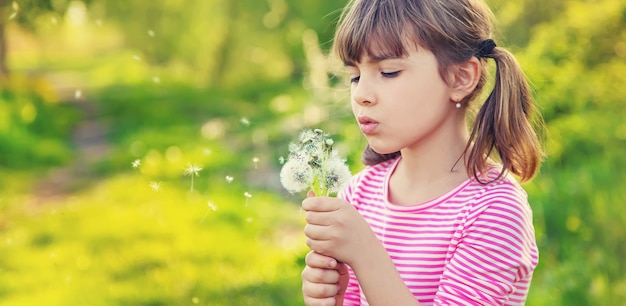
{"points": [[371, 29]]}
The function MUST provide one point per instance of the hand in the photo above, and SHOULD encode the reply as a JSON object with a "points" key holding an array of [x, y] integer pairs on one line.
{"points": [[336, 229], [324, 280]]}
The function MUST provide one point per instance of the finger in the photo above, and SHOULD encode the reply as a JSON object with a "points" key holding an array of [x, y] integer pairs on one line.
{"points": [[342, 269], [317, 232], [320, 204], [310, 194], [320, 275], [318, 218], [319, 291], [310, 301], [317, 260]]}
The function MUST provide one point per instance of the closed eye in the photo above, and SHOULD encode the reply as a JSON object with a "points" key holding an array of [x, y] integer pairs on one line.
{"points": [[390, 74], [355, 79]]}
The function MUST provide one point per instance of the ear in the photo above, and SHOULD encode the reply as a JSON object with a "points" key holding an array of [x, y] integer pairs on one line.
{"points": [[463, 79]]}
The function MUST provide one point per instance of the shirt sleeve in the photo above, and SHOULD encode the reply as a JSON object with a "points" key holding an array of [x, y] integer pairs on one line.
{"points": [[496, 252]]}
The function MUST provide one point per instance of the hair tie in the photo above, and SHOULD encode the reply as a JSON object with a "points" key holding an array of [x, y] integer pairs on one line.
{"points": [[485, 48]]}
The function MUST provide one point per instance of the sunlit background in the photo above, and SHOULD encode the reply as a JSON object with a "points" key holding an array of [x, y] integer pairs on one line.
{"points": [[140, 145]]}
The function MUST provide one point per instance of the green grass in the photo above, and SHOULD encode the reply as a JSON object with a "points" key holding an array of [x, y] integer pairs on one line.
{"points": [[121, 243]]}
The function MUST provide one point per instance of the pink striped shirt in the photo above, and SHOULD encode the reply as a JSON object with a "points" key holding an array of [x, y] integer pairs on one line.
{"points": [[474, 245]]}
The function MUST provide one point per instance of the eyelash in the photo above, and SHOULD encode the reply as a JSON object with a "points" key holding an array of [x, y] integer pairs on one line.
{"points": [[384, 74]]}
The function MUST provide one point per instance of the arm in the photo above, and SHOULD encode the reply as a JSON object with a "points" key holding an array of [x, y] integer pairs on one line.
{"points": [[337, 230], [496, 255]]}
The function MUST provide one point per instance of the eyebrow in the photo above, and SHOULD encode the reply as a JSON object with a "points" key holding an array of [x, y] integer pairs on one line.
{"points": [[374, 59]]}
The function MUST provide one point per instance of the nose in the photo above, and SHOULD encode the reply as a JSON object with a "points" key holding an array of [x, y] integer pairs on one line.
{"points": [[363, 93]]}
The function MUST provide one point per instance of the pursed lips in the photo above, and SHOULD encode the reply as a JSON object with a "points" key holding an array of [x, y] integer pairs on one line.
{"points": [[367, 124]]}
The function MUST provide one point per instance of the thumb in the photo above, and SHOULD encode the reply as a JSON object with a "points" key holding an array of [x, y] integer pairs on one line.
{"points": [[344, 279], [310, 194]]}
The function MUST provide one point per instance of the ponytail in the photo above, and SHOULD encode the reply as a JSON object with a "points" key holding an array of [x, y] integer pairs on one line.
{"points": [[505, 124]]}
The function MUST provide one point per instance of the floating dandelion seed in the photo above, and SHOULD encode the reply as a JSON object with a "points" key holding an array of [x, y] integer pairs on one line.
{"points": [[99, 22], [13, 15], [156, 79], [156, 186], [248, 196], [150, 33], [245, 121], [255, 160], [78, 94], [212, 207], [53, 20], [281, 160], [192, 170], [136, 163], [312, 164], [229, 179], [207, 152], [137, 57]]}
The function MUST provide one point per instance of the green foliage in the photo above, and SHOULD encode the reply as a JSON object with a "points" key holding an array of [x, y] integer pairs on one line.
{"points": [[217, 83], [34, 127]]}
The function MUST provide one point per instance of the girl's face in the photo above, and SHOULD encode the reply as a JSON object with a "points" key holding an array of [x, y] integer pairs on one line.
{"points": [[400, 102]]}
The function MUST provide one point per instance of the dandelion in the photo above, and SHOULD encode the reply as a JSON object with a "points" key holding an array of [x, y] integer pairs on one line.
{"points": [[192, 170], [212, 207], [136, 163], [156, 186], [312, 164]]}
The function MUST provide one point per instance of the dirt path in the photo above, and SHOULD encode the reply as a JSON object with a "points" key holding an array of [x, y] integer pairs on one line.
{"points": [[91, 146]]}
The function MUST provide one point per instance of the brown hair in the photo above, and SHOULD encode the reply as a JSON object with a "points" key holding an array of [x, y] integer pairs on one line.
{"points": [[453, 30]]}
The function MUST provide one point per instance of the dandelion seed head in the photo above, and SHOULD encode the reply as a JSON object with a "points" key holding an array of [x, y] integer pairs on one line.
{"points": [[312, 159], [192, 170], [337, 174], [296, 176], [229, 179], [156, 186]]}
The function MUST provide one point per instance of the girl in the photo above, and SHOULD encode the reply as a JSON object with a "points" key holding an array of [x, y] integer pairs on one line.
{"points": [[436, 217]]}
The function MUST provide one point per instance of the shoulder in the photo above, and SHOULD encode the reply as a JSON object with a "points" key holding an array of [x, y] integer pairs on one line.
{"points": [[501, 200]]}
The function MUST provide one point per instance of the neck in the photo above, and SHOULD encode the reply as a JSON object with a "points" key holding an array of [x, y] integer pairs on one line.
{"points": [[430, 168]]}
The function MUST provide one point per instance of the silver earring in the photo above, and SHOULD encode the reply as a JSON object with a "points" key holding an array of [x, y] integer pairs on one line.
{"points": [[458, 105]]}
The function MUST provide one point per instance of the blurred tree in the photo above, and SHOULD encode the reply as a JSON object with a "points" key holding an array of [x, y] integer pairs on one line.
{"points": [[26, 13]]}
